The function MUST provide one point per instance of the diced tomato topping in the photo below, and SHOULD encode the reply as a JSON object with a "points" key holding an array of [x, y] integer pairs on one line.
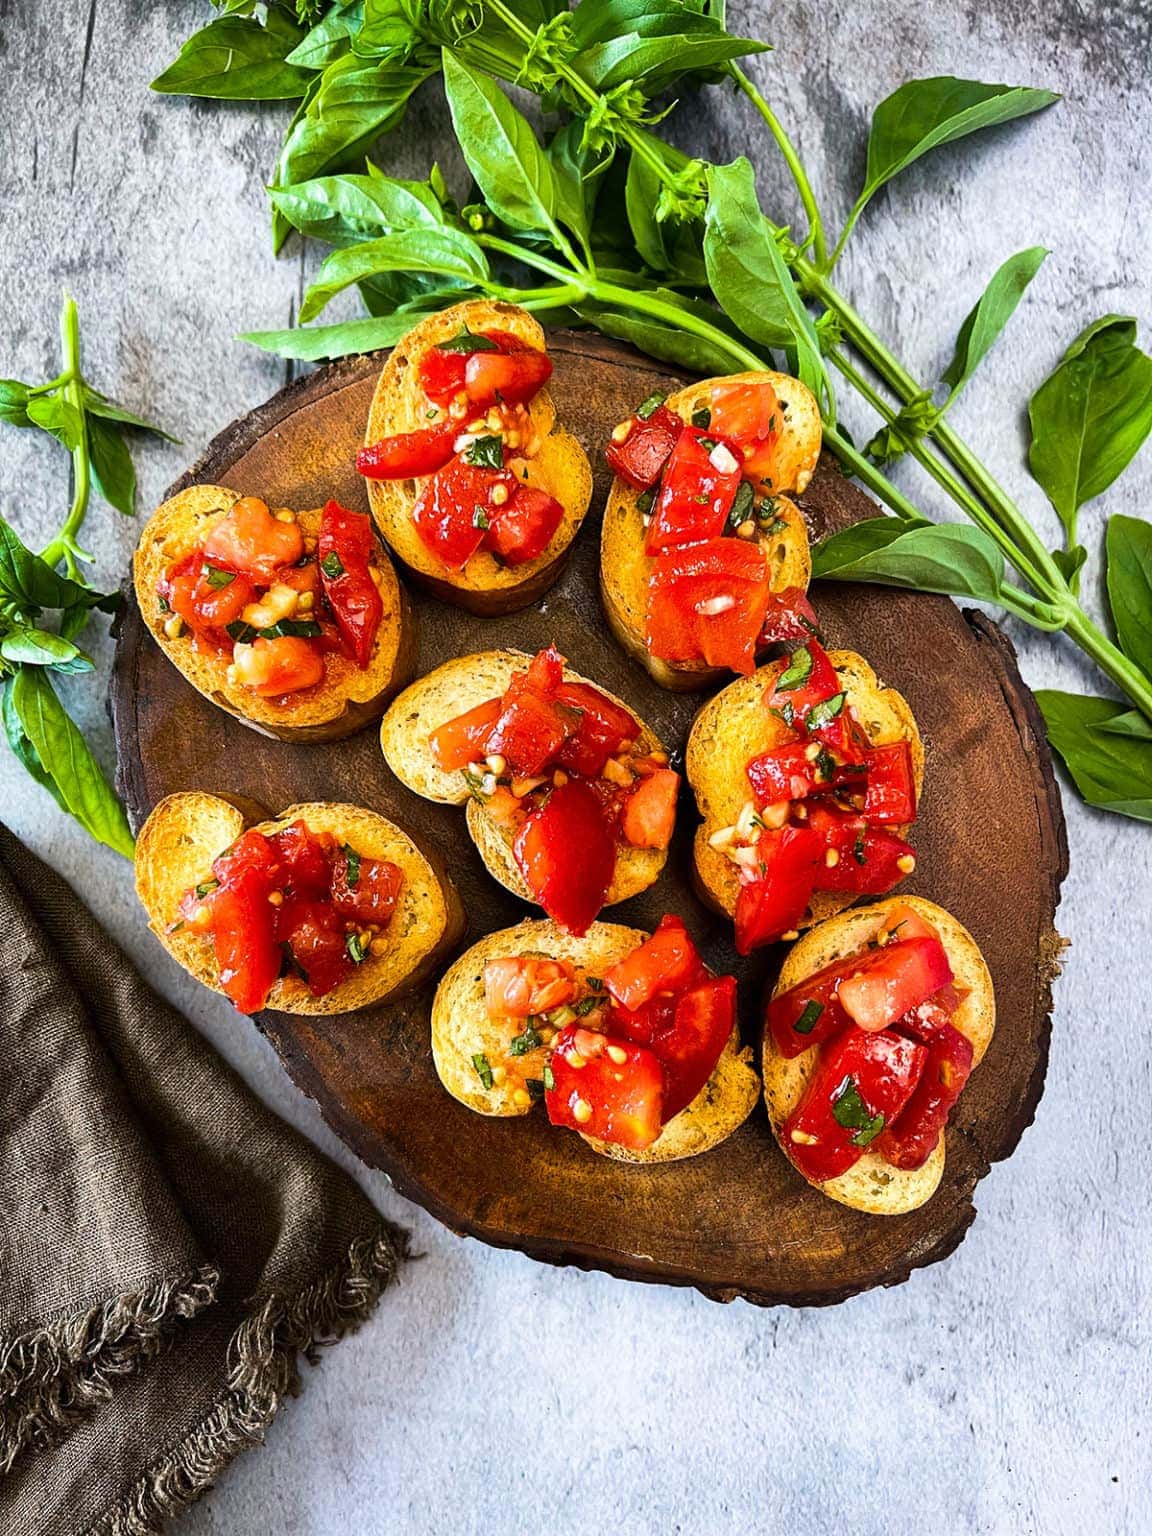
{"points": [[695, 496], [809, 679], [244, 938], [252, 541], [304, 859], [870, 860], [789, 616], [545, 674], [453, 512], [518, 986], [908, 1143], [522, 529], [704, 1019], [649, 814], [409, 455], [891, 792], [667, 962], [890, 981], [442, 367], [861, 1084], [641, 456], [364, 889], [530, 732], [346, 541], [566, 855], [744, 412], [605, 728], [206, 597], [510, 377], [789, 773], [902, 921], [810, 1013], [317, 940], [777, 899], [706, 602], [609, 1089], [271, 668], [464, 739]]}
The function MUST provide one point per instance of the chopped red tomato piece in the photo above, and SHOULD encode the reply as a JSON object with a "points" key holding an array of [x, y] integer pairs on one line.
{"points": [[667, 962], [244, 938], [744, 412], [777, 899], [442, 366], [861, 1084], [789, 616], [530, 732], [522, 529], [892, 980], [910, 1141], [206, 597], [642, 454], [902, 921], [566, 855], [609, 1089], [303, 857], [453, 512], [649, 814], [346, 541], [365, 889], [518, 986], [891, 792], [706, 602], [704, 1019], [510, 377], [605, 728], [871, 861], [252, 541], [696, 493], [275, 667], [464, 740], [409, 455], [545, 673], [808, 680], [317, 939], [790, 773]]}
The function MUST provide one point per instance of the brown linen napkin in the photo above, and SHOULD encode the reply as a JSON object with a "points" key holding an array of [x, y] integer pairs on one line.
{"points": [[167, 1246]]}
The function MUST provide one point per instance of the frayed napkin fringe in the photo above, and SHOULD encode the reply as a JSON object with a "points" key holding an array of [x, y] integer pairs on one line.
{"points": [[52, 1376], [263, 1368]]}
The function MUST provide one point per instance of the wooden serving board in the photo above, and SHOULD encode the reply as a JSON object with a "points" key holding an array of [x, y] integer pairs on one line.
{"points": [[737, 1221]]}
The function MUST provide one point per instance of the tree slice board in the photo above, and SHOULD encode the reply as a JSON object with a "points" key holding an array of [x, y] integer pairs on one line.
{"points": [[737, 1221]]}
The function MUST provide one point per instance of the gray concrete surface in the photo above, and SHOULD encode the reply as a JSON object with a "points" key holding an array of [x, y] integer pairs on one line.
{"points": [[1004, 1391]]}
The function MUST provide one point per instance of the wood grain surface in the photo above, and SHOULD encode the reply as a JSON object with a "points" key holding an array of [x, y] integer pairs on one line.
{"points": [[738, 1220]]}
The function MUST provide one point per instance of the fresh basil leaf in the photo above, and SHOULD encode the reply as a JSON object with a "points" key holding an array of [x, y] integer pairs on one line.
{"points": [[14, 398], [575, 175], [1130, 723], [330, 39], [486, 452], [96, 404], [523, 1043], [749, 276], [483, 1069], [466, 344], [993, 310], [112, 471], [41, 648], [924, 114], [662, 339], [237, 58], [654, 63], [351, 866], [1129, 550], [641, 195], [501, 149], [797, 672], [1090, 416], [391, 27], [32, 583], [824, 712], [66, 758], [850, 1111], [356, 949], [809, 1017], [22, 748], [315, 343], [304, 629], [954, 558], [446, 251], [344, 210], [599, 21], [332, 566], [1110, 770], [54, 414]]}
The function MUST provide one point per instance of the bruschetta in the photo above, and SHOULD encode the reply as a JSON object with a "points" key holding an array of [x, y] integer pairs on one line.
{"points": [[807, 777], [625, 1038], [323, 909], [571, 802], [472, 485], [294, 622], [704, 556], [878, 1018]]}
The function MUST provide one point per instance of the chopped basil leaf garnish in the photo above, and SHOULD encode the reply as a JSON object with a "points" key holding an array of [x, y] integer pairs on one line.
{"points": [[305, 629], [702, 418], [549, 1079], [485, 452], [825, 763], [483, 1070], [858, 850], [528, 1041], [825, 711], [351, 865], [708, 443], [242, 633], [176, 926], [777, 525], [798, 672], [850, 1111], [648, 407], [163, 604], [585, 1006], [594, 982], [356, 948], [786, 712], [644, 501], [206, 887], [535, 1087], [480, 518], [467, 341], [808, 1019], [215, 577], [332, 565], [742, 505]]}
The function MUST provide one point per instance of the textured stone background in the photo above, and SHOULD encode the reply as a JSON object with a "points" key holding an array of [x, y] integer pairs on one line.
{"points": [[1004, 1391]]}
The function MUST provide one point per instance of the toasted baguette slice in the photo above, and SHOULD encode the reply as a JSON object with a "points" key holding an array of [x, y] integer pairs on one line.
{"points": [[449, 691], [348, 697], [625, 568], [560, 468], [873, 1185], [734, 726], [186, 832], [461, 1030]]}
